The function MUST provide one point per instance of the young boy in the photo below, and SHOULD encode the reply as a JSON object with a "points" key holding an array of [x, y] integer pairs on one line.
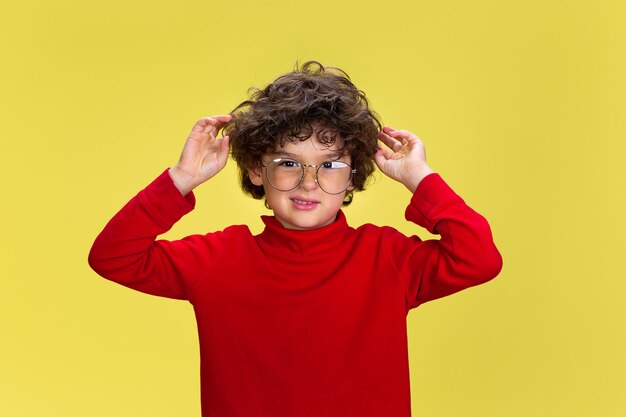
{"points": [[307, 318]]}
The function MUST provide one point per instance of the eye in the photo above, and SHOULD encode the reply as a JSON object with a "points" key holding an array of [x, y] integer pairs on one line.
{"points": [[287, 163], [333, 165]]}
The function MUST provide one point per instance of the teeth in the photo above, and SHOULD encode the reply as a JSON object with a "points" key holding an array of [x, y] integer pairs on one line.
{"points": [[303, 202]]}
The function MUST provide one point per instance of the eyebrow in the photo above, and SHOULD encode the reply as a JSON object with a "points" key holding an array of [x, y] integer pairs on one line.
{"points": [[329, 154]]}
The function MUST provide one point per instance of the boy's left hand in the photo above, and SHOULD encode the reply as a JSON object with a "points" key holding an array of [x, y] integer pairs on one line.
{"points": [[404, 158]]}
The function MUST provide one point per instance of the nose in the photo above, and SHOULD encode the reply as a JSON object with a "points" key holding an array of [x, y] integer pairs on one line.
{"points": [[309, 181]]}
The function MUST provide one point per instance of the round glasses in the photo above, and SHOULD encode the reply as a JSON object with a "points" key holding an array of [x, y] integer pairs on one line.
{"points": [[333, 177]]}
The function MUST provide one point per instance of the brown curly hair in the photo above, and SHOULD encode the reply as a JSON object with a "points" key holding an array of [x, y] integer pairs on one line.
{"points": [[312, 99]]}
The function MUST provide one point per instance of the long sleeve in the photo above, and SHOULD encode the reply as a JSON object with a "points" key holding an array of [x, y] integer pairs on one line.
{"points": [[127, 251], [463, 257]]}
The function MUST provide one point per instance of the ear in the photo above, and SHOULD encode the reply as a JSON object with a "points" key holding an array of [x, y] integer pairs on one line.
{"points": [[256, 175]]}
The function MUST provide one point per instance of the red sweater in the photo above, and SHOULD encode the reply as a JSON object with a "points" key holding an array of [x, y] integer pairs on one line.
{"points": [[300, 323]]}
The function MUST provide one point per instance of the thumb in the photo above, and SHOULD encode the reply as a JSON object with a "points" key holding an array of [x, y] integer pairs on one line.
{"points": [[224, 149], [224, 143], [380, 158]]}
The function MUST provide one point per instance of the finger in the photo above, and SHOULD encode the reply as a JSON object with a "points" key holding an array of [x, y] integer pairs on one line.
{"points": [[402, 134], [224, 117], [203, 125], [218, 122], [224, 142], [211, 125], [392, 143], [381, 157], [378, 162], [214, 120], [384, 152]]}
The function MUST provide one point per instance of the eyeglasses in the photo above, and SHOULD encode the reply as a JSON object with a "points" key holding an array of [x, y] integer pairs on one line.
{"points": [[333, 177]]}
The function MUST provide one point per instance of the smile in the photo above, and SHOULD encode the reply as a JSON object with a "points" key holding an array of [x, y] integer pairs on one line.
{"points": [[295, 200], [304, 204]]}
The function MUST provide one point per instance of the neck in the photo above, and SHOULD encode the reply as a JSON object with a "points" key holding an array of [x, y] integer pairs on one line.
{"points": [[288, 244]]}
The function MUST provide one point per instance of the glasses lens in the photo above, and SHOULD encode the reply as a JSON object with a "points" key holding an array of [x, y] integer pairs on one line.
{"points": [[334, 177], [284, 174]]}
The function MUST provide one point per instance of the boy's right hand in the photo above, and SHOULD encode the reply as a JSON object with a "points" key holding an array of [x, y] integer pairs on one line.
{"points": [[203, 156]]}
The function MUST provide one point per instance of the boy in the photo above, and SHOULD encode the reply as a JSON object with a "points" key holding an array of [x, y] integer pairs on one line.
{"points": [[307, 318]]}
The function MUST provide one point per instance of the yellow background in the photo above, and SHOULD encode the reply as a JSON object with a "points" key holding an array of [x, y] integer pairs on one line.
{"points": [[521, 105]]}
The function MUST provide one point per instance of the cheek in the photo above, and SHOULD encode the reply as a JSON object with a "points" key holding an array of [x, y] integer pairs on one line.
{"points": [[272, 196], [338, 200]]}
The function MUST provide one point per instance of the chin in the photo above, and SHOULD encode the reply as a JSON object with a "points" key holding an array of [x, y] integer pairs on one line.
{"points": [[302, 224]]}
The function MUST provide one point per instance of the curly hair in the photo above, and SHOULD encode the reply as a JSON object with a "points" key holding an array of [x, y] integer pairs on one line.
{"points": [[310, 100]]}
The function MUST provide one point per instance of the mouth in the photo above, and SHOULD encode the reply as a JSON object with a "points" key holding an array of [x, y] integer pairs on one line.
{"points": [[299, 201], [304, 204]]}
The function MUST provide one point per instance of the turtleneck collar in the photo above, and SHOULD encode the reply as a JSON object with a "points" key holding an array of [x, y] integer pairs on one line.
{"points": [[279, 242]]}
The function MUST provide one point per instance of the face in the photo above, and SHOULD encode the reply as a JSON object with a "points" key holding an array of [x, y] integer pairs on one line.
{"points": [[307, 206]]}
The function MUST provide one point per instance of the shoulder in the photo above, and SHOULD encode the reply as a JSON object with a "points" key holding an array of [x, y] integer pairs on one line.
{"points": [[237, 229], [369, 229], [382, 234], [230, 233], [228, 236]]}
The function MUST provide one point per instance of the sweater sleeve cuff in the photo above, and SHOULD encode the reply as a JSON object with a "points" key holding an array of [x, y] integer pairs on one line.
{"points": [[163, 201], [431, 197]]}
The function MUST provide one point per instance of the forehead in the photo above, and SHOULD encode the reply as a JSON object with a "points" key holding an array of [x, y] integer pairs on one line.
{"points": [[310, 149]]}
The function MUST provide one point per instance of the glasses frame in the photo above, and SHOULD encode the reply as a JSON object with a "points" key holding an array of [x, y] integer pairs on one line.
{"points": [[303, 173]]}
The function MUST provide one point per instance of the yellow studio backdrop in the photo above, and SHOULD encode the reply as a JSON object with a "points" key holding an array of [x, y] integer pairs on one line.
{"points": [[521, 105]]}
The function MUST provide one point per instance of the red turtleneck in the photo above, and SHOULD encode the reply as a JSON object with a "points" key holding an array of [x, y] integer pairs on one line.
{"points": [[300, 323]]}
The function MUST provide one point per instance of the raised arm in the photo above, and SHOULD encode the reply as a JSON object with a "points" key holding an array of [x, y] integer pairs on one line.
{"points": [[127, 251], [403, 158], [203, 155], [464, 256]]}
